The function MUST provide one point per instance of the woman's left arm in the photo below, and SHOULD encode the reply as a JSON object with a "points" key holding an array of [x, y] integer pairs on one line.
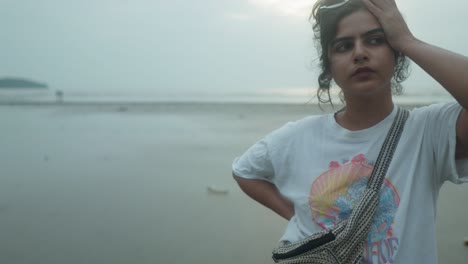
{"points": [[448, 68], [451, 71]]}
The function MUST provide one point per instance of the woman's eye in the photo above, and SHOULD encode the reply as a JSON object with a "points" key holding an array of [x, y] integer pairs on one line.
{"points": [[376, 40], [342, 47]]}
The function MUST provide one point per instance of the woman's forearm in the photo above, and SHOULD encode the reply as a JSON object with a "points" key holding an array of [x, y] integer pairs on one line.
{"points": [[448, 68], [268, 195]]}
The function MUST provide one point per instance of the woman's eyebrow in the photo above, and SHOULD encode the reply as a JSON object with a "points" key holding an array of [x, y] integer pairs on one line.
{"points": [[373, 31], [366, 34]]}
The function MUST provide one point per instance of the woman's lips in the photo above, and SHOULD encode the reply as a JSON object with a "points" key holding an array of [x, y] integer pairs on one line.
{"points": [[363, 72]]}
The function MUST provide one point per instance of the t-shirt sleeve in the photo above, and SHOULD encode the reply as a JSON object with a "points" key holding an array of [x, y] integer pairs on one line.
{"points": [[255, 163], [262, 160], [442, 126]]}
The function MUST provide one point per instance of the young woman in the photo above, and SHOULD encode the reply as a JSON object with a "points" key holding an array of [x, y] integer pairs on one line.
{"points": [[312, 171]]}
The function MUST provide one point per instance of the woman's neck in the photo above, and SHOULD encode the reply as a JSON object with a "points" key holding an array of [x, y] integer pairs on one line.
{"points": [[364, 112]]}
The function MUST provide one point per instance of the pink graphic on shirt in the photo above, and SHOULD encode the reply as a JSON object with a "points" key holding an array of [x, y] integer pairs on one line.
{"points": [[334, 194]]}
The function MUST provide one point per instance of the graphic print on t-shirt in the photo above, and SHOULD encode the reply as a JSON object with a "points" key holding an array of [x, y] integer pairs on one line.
{"points": [[336, 191]]}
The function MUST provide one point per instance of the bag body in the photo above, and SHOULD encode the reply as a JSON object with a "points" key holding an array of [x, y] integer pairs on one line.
{"points": [[341, 244]]}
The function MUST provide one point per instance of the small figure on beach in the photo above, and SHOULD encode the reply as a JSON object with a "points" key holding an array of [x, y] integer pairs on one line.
{"points": [[59, 96], [313, 171]]}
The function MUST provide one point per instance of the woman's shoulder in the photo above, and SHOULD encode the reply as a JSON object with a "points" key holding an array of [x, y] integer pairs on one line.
{"points": [[435, 111], [292, 129], [433, 107], [286, 138]]}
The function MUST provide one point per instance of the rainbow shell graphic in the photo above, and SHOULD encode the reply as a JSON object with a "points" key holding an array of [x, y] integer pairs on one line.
{"points": [[333, 184]]}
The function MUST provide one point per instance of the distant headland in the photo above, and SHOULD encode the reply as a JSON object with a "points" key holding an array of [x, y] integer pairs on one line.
{"points": [[20, 83]]}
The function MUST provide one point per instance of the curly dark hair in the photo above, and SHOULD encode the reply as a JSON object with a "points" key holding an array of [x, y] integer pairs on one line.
{"points": [[325, 26]]}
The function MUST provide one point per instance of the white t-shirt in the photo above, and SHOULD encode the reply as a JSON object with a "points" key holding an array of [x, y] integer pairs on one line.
{"points": [[323, 168]]}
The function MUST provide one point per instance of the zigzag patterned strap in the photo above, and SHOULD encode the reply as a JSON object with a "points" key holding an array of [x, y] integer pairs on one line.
{"points": [[387, 150], [358, 224]]}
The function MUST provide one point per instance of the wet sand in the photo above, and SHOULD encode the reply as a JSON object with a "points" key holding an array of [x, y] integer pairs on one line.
{"points": [[148, 183]]}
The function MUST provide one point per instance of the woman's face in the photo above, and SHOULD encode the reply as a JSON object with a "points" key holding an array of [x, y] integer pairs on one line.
{"points": [[361, 61]]}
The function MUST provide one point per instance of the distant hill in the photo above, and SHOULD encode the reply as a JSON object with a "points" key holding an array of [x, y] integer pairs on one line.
{"points": [[20, 83]]}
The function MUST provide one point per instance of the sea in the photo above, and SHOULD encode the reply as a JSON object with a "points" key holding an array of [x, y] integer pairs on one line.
{"points": [[294, 96]]}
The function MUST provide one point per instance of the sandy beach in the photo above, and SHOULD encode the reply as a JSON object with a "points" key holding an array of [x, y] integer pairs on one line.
{"points": [[149, 183]]}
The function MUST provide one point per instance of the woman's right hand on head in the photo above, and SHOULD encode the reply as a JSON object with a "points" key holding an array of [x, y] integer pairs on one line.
{"points": [[387, 13]]}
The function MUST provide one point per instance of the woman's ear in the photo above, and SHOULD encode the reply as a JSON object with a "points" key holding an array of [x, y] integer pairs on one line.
{"points": [[325, 79], [328, 74], [398, 54]]}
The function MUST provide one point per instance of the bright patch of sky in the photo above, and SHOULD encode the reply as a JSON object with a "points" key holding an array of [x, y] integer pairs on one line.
{"points": [[298, 8]]}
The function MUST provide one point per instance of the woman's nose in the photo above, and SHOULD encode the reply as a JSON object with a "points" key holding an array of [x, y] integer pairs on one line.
{"points": [[360, 59], [360, 54]]}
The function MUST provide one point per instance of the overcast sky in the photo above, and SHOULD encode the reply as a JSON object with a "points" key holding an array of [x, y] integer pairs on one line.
{"points": [[187, 46]]}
